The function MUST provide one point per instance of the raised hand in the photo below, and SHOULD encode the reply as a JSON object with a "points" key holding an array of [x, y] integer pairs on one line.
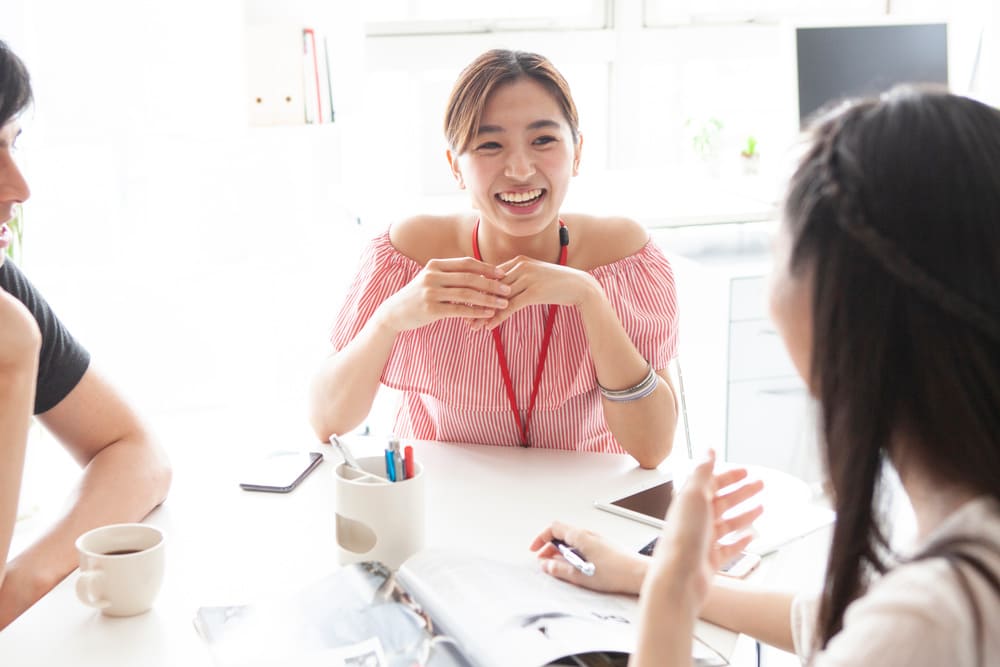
{"points": [[457, 287], [532, 282], [699, 536]]}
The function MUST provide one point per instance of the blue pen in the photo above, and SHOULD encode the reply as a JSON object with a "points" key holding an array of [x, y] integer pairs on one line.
{"points": [[390, 466]]}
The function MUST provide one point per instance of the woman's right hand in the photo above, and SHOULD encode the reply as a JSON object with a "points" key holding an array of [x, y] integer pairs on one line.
{"points": [[615, 570], [456, 287], [620, 571]]}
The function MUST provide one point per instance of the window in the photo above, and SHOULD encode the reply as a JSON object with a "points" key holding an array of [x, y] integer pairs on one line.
{"points": [[672, 12], [646, 75], [390, 17]]}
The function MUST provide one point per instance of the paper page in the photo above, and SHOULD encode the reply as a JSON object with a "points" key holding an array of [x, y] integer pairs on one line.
{"points": [[504, 614], [368, 653], [352, 607], [773, 530]]}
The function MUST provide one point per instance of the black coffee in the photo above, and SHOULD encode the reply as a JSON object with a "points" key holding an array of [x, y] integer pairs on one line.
{"points": [[122, 552]]}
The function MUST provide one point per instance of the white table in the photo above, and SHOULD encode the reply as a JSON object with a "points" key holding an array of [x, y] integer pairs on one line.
{"points": [[227, 546]]}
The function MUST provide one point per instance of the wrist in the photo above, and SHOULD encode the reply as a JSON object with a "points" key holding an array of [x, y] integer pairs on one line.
{"points": [[381, 324], [22, 587], [636, 573], [671, 582], [592, 297]]}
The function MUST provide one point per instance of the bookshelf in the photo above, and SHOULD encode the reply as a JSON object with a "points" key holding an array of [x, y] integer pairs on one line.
{"points": [[297, 56]]}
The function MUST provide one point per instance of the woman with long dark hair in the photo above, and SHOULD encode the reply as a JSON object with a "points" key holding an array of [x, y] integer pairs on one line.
{"points": [[885, 293]]}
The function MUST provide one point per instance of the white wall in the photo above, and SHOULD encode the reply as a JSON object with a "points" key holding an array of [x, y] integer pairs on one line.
{"points": [[202, 260], [199, 259]]}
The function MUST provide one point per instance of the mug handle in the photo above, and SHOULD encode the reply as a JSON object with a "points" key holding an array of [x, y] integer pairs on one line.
{"points": [[85, 585]]}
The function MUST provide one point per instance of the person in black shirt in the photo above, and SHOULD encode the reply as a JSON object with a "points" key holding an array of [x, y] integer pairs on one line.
{"points": [[44, 371]]}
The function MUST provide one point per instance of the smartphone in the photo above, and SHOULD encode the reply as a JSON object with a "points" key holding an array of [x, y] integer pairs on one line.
{"points": [[648, 505], [280, 472], [648, 549], [740, 566]]}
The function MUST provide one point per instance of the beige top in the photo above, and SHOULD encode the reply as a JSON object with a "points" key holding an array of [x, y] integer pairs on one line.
{"points": [[917, 614]]}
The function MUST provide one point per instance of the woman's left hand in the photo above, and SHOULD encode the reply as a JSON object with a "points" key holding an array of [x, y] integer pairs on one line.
{"points": [[536, 282], [692, 547]]}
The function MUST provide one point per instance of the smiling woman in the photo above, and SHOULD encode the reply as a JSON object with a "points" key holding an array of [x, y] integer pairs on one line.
{"points": [[517, 324]]}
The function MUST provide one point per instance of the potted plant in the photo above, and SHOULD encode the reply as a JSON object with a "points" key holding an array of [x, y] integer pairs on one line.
{"points": [[705, 137], [750, 156]]}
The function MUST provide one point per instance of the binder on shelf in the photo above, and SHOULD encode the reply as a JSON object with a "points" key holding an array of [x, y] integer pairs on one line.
{"points": [[329, 115], [316, 78], [275, 90], [311, 77]]}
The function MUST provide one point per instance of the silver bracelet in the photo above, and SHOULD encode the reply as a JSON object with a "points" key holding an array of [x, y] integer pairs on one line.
{"points": [[645, 387]]}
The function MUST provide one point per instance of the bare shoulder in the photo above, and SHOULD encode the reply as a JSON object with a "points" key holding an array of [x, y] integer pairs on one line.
{"points": [[426, 237], [599, 240]]}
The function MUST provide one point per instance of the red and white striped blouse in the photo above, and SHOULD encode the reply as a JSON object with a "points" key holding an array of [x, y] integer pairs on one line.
{"points": [[452, 387]]}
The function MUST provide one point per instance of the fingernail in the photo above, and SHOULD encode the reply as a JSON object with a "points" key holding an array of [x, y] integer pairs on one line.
{"points": [[505, 289]]}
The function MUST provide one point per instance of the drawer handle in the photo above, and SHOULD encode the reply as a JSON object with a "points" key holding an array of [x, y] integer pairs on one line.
{"points": [[783, 391]]}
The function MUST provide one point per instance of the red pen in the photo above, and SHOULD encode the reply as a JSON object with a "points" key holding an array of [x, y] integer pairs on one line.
{"points": [[408, 462]]}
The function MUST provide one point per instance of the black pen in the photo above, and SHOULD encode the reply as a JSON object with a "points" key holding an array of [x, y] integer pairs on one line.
{"points": [[574, 557]]}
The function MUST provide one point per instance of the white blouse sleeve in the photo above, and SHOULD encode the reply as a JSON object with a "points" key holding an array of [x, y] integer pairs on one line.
{"points": [[915, 616]]}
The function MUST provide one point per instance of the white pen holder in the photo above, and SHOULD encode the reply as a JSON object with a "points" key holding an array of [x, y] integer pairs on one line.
{"points": [[377, 519]]}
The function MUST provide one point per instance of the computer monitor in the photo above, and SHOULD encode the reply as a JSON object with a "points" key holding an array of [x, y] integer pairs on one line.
{"points": [[836, 62]]}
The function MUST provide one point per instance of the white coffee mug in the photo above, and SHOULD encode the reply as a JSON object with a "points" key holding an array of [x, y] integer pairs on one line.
{"points": [[121, 568], [377, 519]]}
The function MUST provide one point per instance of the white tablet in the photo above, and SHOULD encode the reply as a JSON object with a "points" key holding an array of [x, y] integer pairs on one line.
{"points": [[786, 519], [648, 505]]}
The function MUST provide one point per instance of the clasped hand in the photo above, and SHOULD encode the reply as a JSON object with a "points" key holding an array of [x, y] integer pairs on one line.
{"points": [[483, 294]]}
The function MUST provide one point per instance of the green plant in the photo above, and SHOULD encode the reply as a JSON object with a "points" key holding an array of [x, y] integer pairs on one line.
{"points": [[16, 224], [750, 148], [705, 135]]}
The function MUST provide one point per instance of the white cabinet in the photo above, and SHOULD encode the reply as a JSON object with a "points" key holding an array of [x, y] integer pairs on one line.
{"points": [[301, 61], [770, 417]]}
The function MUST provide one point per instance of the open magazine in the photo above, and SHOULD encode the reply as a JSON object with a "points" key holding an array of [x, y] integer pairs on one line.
{"points": [[442, 609]]}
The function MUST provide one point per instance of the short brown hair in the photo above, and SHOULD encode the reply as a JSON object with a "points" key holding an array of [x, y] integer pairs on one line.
{"points": [[487, 73]]}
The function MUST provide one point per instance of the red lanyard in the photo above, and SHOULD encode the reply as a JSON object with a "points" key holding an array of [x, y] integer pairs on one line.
{"points": [[522, 425]]}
